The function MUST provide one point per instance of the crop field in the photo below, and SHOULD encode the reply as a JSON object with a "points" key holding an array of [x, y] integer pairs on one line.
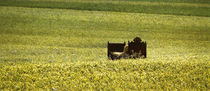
{"points": [[62, 44]]}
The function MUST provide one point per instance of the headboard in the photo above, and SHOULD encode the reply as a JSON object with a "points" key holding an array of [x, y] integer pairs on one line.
{"points": [[115, 47]]}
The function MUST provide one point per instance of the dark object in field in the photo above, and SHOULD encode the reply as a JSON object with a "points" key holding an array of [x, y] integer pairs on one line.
{"points": [[134, 49]]}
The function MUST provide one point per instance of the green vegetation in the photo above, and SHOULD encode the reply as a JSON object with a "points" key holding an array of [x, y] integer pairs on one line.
{"points": [[44, 45], [188, 9], [108, 75]]}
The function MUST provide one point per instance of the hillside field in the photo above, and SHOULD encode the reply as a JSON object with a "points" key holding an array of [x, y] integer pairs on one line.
{"points": [[62, 44]]}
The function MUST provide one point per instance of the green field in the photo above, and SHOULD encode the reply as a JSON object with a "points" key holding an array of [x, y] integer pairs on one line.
{"points": [[62, 44]]}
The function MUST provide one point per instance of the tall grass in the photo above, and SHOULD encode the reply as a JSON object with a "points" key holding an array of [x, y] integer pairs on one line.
{"points": [[104, 75]]}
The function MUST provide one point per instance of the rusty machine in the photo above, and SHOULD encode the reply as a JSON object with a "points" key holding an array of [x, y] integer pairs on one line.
{"points": [[135, 49]]}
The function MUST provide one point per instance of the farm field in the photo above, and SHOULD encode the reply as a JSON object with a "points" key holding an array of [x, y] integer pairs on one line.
{"points": [[62, 45]]}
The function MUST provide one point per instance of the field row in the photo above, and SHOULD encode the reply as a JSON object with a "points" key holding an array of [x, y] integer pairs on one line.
{"points": [[188, 9], [129, 1], [107, 75]]}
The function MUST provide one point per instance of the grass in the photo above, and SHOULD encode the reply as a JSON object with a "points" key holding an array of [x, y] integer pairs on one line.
{"points": [[108, 75], [188, 9], [65, 49]]}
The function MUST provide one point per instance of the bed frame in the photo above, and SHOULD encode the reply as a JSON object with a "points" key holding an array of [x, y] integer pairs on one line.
{"points": [[135, 50]]}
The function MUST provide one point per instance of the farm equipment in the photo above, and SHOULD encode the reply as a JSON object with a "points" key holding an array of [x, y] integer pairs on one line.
{"points": [[134, 49]]}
